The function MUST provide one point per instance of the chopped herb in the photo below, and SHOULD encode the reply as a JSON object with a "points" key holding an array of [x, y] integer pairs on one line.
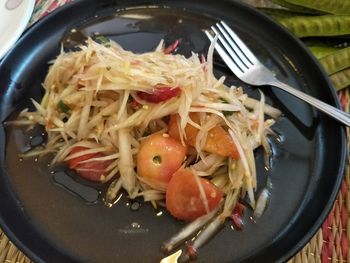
{"points": [[146, 133], [227, 113], [63, 107], [166, 119], [223, 100], [102, 40]]}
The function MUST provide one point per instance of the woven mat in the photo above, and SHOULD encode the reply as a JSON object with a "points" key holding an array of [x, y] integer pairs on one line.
{"points": [[331, 242]]}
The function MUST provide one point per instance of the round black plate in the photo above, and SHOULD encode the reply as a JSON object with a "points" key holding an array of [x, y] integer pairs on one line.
{"points": [[51, 225]]}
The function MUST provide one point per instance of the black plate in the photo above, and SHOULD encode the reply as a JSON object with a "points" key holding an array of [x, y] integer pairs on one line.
{"points": [[51, 225]]}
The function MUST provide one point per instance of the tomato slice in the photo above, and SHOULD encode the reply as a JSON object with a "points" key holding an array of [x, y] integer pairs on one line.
{"points": [[218, 140], [92, 171], [158, 158], [159, 94], [74, 162], [183, 198]]}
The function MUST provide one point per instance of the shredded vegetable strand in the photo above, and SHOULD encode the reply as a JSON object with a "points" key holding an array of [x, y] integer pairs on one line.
{"points": [[126, 164]]}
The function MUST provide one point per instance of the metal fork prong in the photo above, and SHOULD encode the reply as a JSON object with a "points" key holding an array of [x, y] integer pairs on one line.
{"points": [[257, 74], [232, 46], [229, 51], [228, 60], [240, 43]]}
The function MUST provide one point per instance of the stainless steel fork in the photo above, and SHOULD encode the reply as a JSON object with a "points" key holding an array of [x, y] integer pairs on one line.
{"points": [[244, 64]]}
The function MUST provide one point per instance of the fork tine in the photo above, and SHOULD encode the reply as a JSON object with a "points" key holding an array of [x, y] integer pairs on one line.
{"points": [[230, 51], [246, 51], [227, 58], [231, 46]]}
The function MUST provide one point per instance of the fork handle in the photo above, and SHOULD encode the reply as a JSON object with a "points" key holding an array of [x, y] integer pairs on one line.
{"points": [[333, 112]]}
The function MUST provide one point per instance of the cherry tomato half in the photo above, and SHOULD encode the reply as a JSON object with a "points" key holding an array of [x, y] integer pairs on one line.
{"points": [[183, 198], [158, 158], [94, 170], [218, 140]]}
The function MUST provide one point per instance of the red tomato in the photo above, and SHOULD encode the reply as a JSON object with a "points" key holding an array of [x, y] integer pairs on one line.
{"points": [[183, 199], [94, 170], [158, 158], [218, 140], [72, 163], [159, 94]]}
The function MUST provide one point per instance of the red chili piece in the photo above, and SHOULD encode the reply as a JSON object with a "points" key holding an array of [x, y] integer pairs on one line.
{"points": [[237, 216], [172, 47], [202, 59], [191, 251], [159, 94], [135, 105]]}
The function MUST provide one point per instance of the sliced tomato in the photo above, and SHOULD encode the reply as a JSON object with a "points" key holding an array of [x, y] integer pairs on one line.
{"points": [[94, 170], [158, 158], [159, 94], [183, 197], [190, 131], [218, 140], [72, 163]]}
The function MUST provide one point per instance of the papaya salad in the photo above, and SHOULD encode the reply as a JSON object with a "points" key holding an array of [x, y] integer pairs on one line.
{"points": [[156, 125]]}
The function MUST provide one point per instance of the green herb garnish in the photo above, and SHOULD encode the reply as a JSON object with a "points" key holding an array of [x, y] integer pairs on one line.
{"points": [[63, 107], [221, 99], [226, 113], [103, 40]]}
